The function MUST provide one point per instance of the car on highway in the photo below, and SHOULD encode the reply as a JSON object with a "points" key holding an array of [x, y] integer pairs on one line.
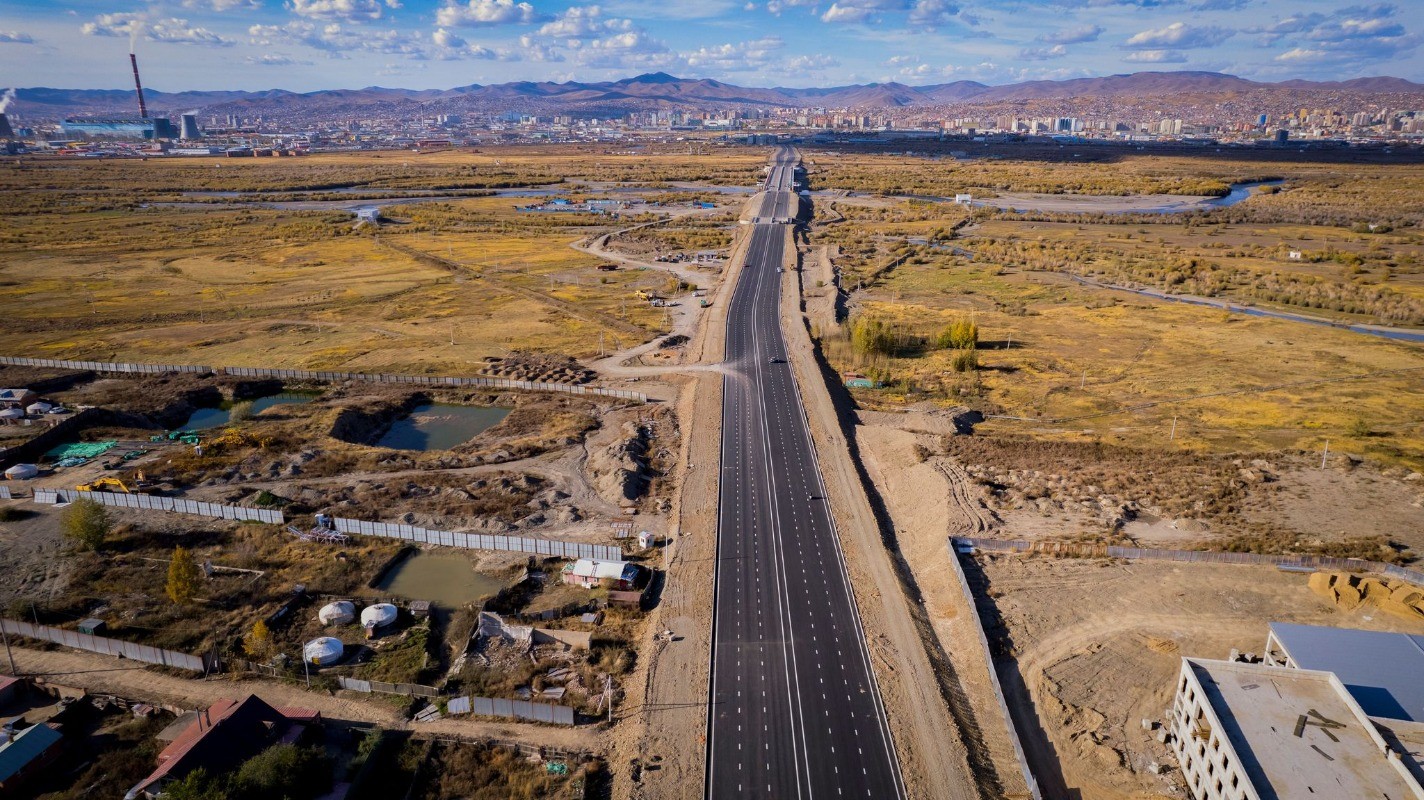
{"points": [[775, 360]]}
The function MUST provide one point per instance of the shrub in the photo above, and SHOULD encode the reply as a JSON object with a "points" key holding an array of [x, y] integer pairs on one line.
{"points": [[182, 577], [86, 523]]}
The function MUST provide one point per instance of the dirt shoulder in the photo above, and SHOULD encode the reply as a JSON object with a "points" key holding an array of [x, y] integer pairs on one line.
{"points": [[927, 508], [665, 713], [933, 757]]}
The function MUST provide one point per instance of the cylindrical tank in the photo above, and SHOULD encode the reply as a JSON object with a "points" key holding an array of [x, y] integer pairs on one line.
{"points": [[378, 615], [326, 650], [342, 612]]}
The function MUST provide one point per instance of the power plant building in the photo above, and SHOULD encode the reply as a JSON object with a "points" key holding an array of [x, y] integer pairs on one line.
{"points": [[189, 127], [120, 128]]}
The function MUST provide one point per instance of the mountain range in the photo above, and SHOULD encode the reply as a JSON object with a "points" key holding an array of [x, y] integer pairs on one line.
{"points": [[660, 90]]}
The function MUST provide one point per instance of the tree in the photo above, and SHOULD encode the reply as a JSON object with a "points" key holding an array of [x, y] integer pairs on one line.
{"points": [[241, 411], [256, 643], [960, 335], [283, 770], [182, 577], [196, 785], [86, 523]]}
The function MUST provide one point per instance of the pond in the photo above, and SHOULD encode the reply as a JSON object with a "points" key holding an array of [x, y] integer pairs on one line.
{"points": [[205, 418], [440, 426], [445, 579]]}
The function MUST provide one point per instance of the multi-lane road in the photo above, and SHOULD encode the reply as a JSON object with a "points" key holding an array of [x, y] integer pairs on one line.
{"points": [[794, 711]]}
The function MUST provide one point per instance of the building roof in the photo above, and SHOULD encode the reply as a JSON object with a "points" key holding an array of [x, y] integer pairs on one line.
{"points": [[220, 738], [1381, 670], [1298, 733], [28, 745], [610, 570]]}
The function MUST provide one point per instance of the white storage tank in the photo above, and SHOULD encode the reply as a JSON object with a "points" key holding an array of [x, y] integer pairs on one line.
{"points": [[342, 612], [378, 616], [37, 408], [326, 650]]}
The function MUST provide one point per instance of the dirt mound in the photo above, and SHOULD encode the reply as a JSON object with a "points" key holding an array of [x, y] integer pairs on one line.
{"points": [[1349, 592], [541, 367], [620, 469]]}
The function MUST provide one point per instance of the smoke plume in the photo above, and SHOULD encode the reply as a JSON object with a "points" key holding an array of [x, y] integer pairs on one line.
{"points": [[6, 99]]}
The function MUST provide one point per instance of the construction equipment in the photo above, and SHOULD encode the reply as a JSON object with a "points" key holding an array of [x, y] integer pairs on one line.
{"points": [[117, 486]]}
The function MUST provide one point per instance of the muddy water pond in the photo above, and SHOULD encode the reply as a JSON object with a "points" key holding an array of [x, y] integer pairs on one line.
{"points": [[440, 426], [205, 418], [445, 579]]}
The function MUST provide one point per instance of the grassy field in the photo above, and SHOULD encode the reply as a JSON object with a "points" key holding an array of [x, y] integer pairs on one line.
{"points": [[109, 260], [1079, 362]]}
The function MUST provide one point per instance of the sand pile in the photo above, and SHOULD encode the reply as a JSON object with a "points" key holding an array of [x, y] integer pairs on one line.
{"points": [[1352, 591]]}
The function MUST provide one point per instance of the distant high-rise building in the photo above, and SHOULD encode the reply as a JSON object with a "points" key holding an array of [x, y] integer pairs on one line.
{"points": [[1262, 120], [188, 127], [6, 132], [1282, 136]]}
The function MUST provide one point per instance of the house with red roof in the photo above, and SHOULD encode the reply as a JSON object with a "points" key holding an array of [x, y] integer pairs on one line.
{"points": [[222, 737]]}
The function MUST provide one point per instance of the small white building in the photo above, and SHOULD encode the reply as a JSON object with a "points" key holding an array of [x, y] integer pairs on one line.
{"points": [[1256, 732], [963, 199], [1295, 255], [593, 572]]}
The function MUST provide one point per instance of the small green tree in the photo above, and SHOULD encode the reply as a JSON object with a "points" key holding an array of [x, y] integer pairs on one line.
{"points": [[196, 785], [86, 523], [182, 577], [960, 335], [283, 770], [965, 360], [241, 411]]}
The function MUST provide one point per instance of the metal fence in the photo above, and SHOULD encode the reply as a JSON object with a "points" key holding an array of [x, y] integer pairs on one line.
{"points": [[480, 541], [512, 709], [170, 504], [994, 674], [5, 493], [407, 689], [307, 375], [102, 366], [99, 644], [1199, 556]]}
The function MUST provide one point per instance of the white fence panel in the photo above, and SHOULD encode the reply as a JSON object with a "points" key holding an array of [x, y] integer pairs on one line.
{"points": [[169, 504]]}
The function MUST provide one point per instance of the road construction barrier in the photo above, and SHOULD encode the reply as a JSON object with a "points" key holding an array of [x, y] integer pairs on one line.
{"points": [[99, 644], [480, 541], [308, 375], [173, 505]]}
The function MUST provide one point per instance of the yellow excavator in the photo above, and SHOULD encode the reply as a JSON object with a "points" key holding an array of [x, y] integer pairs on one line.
{"points": [[108, 483]]}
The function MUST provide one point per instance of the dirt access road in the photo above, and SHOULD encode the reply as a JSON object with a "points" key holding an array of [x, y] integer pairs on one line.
{"points": [[108, 675]]}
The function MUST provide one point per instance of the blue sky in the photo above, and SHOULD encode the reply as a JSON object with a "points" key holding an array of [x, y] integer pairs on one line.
{"points": [[304, 45]]}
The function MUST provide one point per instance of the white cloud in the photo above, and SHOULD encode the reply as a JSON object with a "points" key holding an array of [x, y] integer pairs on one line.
{"points": [[1182, 36], [1156, 57], [16, 37], [221, 5], [276, 60], [1076, 35], [336, 41], [1043, 53], [775, 7], [336, 9], [583, 22], [171, 29], [486, 12], [444, 38], [932, 13], [1302, 54], [749, 56], [810, 64], [860, 10]]}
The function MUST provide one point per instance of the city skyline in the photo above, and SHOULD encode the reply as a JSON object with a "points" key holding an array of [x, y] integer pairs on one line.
{"points": [[306, 45]]}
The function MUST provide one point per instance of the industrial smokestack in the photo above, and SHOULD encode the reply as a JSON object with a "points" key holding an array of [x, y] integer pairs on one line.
{"points": [[188, 129], [6, 132], [142, 109]]}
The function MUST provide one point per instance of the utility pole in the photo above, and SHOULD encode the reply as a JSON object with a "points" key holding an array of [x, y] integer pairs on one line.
{"points": [[608, 692], [1082, 384], [1173, 436], [6, 636], [306, 668], [1326, 455]]}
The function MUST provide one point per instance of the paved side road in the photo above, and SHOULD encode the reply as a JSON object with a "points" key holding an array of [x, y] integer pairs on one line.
{"points": [[109, 675]]}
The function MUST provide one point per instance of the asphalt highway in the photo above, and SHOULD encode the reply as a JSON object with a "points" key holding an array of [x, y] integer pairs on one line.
{"points": [[794, 711]]}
